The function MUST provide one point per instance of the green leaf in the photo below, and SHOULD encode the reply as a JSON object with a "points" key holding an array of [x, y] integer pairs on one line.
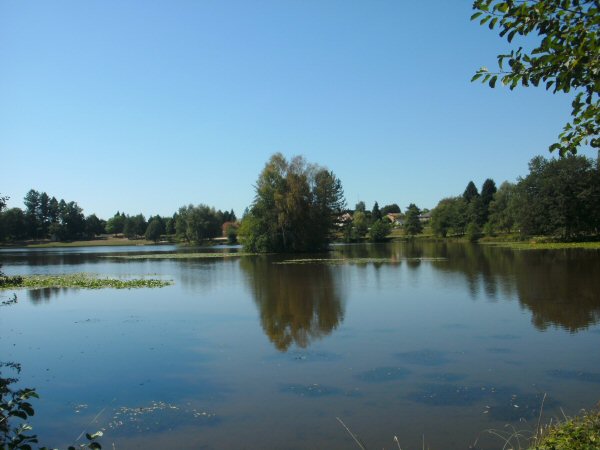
{"points": [[476, 76], [476, 15], [493, 81]]}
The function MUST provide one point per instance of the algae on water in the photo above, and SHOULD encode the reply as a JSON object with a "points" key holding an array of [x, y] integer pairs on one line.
{"points": [[82, 281]]}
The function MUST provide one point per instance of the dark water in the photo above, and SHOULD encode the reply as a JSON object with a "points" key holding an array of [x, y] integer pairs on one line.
{"points": [[433, 341]]}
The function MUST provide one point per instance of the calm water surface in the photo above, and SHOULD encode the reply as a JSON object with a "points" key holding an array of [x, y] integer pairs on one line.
{"points": [[410, 340]]}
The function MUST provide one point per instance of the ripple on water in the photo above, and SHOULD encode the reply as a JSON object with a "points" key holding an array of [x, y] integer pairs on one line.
{"points": [[383, 374], [426, 357]]}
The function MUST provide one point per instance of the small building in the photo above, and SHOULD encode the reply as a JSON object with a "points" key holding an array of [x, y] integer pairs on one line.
{"points": [[395, 218]]}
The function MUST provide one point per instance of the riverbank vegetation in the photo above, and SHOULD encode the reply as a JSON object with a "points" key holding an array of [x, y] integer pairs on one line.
{"points": [[300, 207], [578, 433]]}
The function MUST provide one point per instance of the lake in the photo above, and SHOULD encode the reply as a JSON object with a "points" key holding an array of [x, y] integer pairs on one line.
{"points": [[424, 341]]}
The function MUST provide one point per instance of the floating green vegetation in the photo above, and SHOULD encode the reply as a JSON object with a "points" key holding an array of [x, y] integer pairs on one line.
{"points": [[82, 281], [339, 261], [548, 245], [181, 255]]}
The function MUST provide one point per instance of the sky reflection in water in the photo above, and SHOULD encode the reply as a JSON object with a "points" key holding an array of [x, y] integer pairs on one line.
{"points": [[444, 340]]}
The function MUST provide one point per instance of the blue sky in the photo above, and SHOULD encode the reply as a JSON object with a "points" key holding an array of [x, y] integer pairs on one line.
{"points": [[145, 106]]}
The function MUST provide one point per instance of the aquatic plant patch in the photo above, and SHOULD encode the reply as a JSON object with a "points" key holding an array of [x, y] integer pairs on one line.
{"points": [[338, 261], [84, 281], [181, 255]]}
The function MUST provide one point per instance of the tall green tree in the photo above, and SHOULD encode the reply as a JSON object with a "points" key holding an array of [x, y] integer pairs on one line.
{"points": [[379, 231], [566, 57], [393, 208], [471, 192], [94, 226], [295, 208], [116, 224], [376, 212], [32, 204], [560, 197], [360, 226], [412, 221], [488, 189], [503, 210], [13, 225], [197, 223], [450, 216], [154, 229]]}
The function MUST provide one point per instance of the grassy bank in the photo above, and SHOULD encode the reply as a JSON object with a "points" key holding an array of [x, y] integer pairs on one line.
{"points": [[78, 280], [579, 433], [109, 241]]}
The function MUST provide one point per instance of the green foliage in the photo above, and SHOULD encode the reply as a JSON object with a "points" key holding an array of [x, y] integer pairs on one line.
{"points": [[579, 433], [566, 58], [16, 409], [503, 209], [471, 192], [295, 208], [197, 223], [449, 216], [230, 230], [412, 220], [376, 213], [94, 226], [170, 227], [393, 208], [360, 226], [488, 189], [360, 206], [154, 230], [116, 224], [379, 230], [13, 225], [79, 280], [560, 197], [473, 232]]}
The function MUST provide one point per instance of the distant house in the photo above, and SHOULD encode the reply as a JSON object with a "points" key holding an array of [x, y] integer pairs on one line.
{"points": [[395, 218], [344, 219], [425, 217]]}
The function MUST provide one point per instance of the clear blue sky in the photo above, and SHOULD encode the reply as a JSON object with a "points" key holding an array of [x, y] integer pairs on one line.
{"points": [[145, 106]]}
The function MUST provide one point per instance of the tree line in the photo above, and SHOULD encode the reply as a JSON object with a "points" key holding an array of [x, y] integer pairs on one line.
{"points": [[44, 217], [559, 198], [301, 207]]}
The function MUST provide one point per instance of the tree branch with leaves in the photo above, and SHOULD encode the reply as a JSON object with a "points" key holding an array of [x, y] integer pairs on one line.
{"points": [[566, 59]]}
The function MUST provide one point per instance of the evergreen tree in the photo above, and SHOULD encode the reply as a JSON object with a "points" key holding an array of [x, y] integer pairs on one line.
{"points": [[376, 213], [412, 221], [470, 192]]}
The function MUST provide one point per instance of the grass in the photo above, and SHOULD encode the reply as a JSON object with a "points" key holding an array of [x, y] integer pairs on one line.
{"points": [[80, 281], [576, 433], [111, 241], [579, 433], [182, 255]]}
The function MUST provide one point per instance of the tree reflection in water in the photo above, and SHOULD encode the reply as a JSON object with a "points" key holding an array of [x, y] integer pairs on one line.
{"points": [[560, 287], [298, 303]]}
